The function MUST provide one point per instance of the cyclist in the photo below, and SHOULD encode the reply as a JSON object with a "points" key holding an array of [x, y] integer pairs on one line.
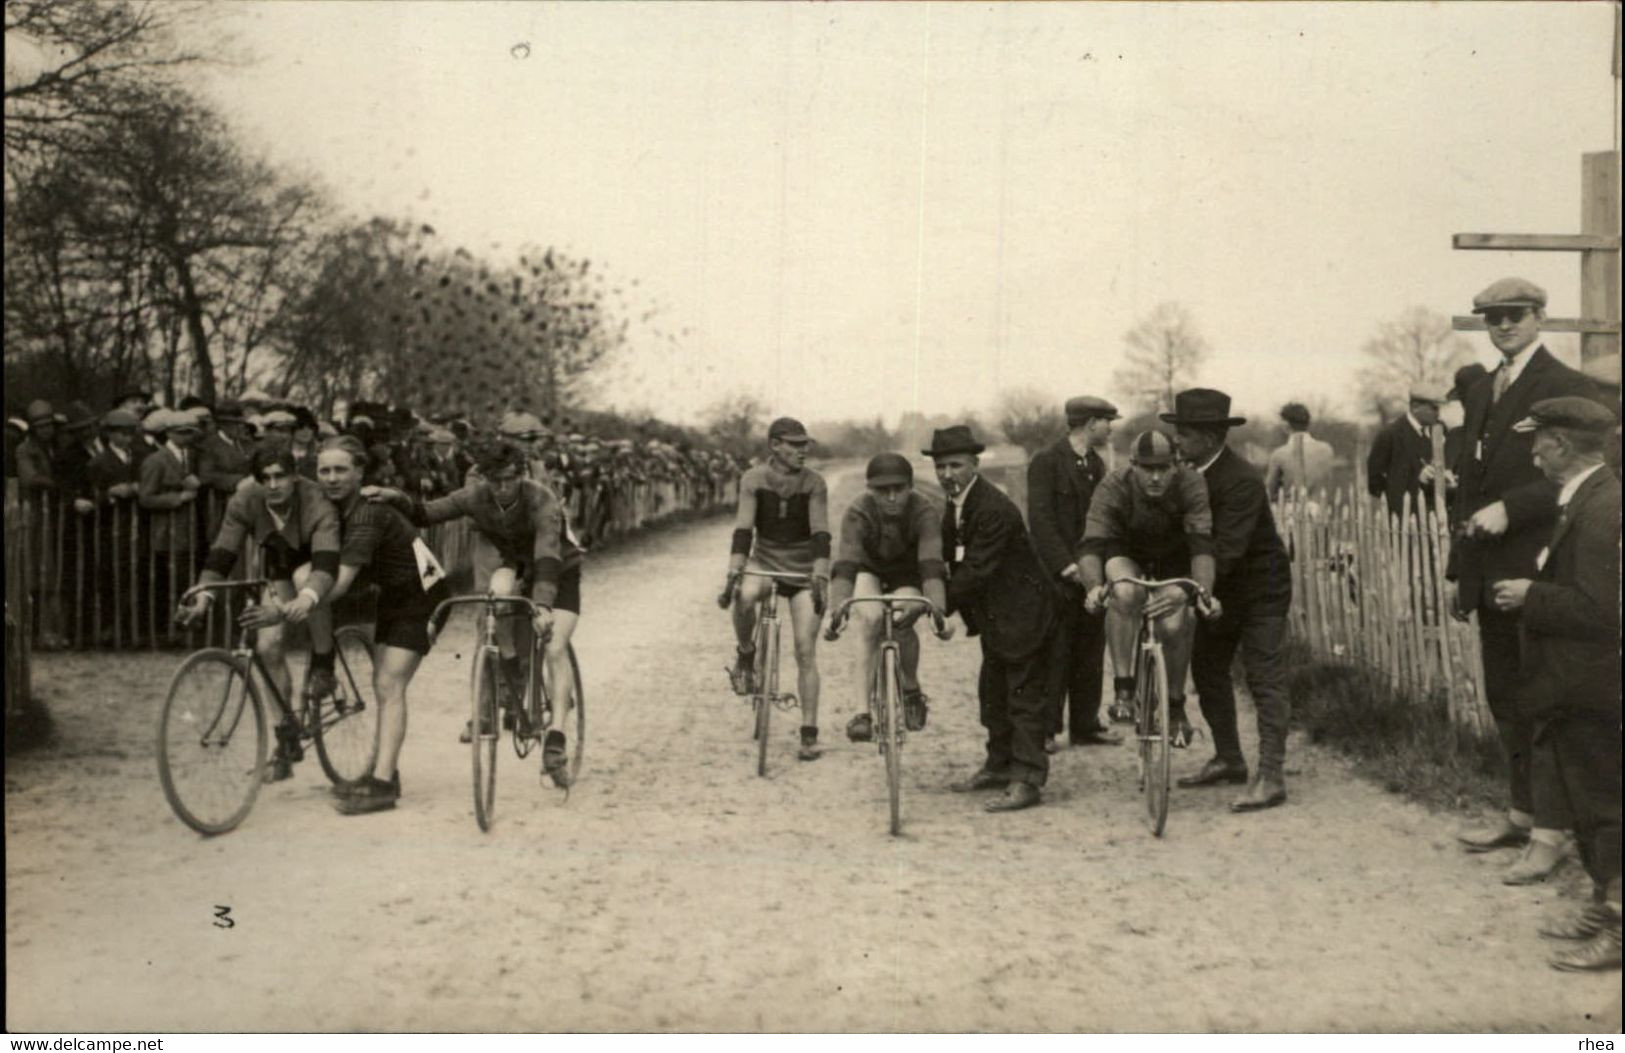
{"points": [[782, 526], [891, 542], [1148, 520], [380, 547], [297, 531], [521, 544]]}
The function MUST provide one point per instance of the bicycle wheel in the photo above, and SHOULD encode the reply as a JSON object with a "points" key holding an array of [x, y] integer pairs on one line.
{"points": [[767, 659], [211, 742], [346, 725], [485, 730], [891, 738], [577, 735], [1152, 725]]}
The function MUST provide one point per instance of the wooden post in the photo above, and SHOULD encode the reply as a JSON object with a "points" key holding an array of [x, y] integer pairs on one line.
{"points": [[1599, 268]]}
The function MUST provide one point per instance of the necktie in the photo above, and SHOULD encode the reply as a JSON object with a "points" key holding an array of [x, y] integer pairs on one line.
{"points": [[1503, 380]]}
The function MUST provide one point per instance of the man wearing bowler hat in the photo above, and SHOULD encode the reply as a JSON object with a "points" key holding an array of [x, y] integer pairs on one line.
{"points": [[1061, 481], [1570, 612], [1504, 508], [1003, 594], [1254, 585]]}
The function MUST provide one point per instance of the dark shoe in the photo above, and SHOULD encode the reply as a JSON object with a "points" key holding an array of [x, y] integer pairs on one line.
{"points": [[288, 744], [1581, 924], [809, 744], [369, 794], [556, 760], [1121, 711], [743, 673], [1504, 834], [1538, 862], [861, 728], [278, 768], [1266, 791], [322, 684], [914, 710], [1017, 795], [1099, 735], [354, 786], [982, 780], [1598, 953], [1216, 772]]}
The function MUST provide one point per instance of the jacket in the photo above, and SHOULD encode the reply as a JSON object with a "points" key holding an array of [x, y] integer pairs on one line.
{"points": [[1060, 485], [162, 494], [995, 579], [1251, 571], [1394, 465]]}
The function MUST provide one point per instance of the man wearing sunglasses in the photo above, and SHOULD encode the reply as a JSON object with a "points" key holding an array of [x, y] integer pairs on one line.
{"points": [[1504, 509]]}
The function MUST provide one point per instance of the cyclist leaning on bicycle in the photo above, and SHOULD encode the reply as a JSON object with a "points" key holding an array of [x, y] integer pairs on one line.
{"points": [[1148, 520], [297, 531], [521, 544], [891, 542], [782, 526]]}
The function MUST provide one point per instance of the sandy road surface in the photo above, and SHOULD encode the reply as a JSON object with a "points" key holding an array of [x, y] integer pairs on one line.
{"points": [[677, 891]]}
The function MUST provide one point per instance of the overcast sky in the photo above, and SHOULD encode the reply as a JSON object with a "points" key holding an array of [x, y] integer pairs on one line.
{"points": [[857, 209]]}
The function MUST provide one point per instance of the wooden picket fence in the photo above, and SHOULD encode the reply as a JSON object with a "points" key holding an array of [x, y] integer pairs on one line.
{"points": [[1369, 590]]}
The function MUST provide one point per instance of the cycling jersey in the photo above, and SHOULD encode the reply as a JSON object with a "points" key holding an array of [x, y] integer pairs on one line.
{"points": [[900, 550], [792, 511], [1163, 531]]}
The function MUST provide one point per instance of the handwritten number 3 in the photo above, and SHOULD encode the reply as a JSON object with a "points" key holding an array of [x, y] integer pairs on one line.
{"points": [[223, 918]]}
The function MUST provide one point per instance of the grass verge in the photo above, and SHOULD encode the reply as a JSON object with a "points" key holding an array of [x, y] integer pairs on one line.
{"points": [[1407, 745]]}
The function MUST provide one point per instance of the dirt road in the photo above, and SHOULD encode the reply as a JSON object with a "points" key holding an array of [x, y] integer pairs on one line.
{"points": [[677, 891]]}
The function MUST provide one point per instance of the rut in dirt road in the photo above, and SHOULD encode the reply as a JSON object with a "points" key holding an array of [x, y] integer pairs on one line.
{"points": [[676, 890]]}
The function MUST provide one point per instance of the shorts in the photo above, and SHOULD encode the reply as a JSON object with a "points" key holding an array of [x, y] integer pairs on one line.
{"points": [[488, 560], [774, 558], [897, 577], [403, 615]]}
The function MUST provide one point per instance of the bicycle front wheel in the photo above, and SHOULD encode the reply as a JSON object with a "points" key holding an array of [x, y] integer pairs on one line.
{"points": [[485, 728], [346, 725], [891, 736], [211, 742], [1155, 756]]}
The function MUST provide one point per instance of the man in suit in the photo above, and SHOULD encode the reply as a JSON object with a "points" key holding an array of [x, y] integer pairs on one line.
{"points": [[36, 461], [168, 489], [1504, 509], [1060, 481], [223, 452], [1253, 583], [1571, 659], [1002, 593], [1402, 453]]}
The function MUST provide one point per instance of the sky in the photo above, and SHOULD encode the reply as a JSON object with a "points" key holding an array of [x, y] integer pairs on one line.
{"points": [[857, 210]]}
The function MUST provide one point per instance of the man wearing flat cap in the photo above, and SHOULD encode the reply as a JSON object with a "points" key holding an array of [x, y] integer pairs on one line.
{"points": [[1003, 594], [1402, 453], [1571, 691], [1504, 509], [35, 460], [223, 454], [1061, 480], [1253, 583]]}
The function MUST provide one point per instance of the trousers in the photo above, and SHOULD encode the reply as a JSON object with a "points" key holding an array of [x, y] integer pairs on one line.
{"points": [[1076, 662], [1014, 712], [1583, 754], [1260, 638]]}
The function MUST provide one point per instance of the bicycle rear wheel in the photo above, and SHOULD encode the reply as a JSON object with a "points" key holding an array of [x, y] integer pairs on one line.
{"points": [[346, 725], [211, 742], [891, 738], [1151, 715], [485, 729], [577, 733], [767, 677]]}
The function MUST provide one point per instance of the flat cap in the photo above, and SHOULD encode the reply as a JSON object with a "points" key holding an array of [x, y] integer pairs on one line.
{"points": [[514, 425], [121, 418], [1569, 411], [1085, 408], [441, 435], [163, 420], [1151, 448], [278, 418], [1510, 292], [789, 429], [40, 412], [1428, 393]]}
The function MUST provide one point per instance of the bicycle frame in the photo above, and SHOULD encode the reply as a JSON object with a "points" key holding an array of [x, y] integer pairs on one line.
{"points": [[487, 642], [767, 631]]}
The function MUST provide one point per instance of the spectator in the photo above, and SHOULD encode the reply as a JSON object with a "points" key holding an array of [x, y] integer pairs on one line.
{"points": [[1302, 461], [1400, 462], [224, 452]]}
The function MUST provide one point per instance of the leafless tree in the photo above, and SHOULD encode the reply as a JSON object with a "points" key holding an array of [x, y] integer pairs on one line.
{"points": [[1417, 347], [1164, 353], [1029, 418]]}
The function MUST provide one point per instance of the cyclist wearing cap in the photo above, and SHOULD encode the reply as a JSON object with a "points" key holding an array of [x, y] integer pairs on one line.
{"points": [[297, 531], [891, 542], [520, 543], [782, 526], [1149, 520]]}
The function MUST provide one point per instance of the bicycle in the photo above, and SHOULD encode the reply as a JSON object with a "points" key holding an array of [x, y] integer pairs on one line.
{"points": [[529, 722], [212, 748], [764, 694], [886, 691], [1151, 705]]}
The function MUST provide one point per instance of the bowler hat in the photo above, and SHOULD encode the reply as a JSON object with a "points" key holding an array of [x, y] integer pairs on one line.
{"points": [[1085, 408], [889, 469], [1202, 406], [1465, 378], [1568, 411], [1510, 292], [951, 440]]}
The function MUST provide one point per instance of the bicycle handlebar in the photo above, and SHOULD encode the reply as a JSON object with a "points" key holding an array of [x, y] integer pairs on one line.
{"points": [[488, 597], [890, 601], [1204, 599], [224, 586]]}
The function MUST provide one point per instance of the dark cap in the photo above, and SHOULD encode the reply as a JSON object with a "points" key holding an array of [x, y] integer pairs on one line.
{"points": [[789, 430], [1085, 408], [1569, 411], [41, 412], [1295, 413], [1151, 449], [1510, 292], [889, 469], [1464, 380]]}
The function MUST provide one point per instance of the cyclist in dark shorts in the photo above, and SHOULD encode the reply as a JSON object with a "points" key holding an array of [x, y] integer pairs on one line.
{"points": [[1149, 520], [381, 548], [891, 542], [782, 526], [297, 531], [521, 543]]}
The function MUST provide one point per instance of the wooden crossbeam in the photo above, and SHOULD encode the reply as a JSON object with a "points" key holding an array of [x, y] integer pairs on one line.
{"points": [[1472, 323], [1537, 242]]}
